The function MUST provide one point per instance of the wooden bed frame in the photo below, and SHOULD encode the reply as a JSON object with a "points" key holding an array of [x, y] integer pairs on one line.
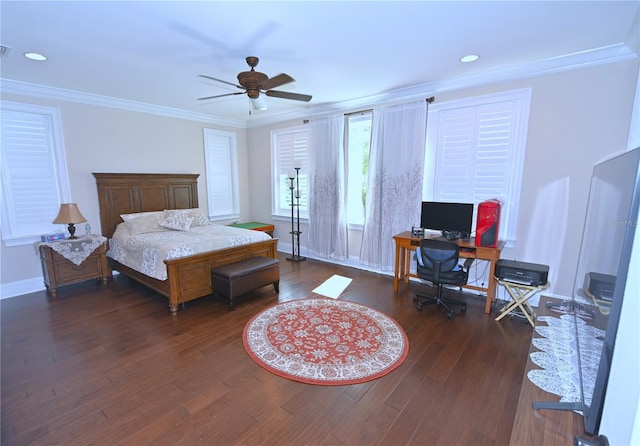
{"points": [[189, 277]]}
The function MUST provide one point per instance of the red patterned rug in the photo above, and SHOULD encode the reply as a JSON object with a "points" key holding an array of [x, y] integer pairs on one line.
{"points": [[325, 341]]}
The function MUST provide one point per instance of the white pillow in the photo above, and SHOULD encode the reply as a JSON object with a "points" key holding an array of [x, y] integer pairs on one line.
{"points": [[127, 217], [199, 219], [180, 221], [143, 224]]}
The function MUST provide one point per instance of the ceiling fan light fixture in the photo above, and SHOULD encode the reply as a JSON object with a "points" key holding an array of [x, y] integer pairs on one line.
{"points": [[259, 104], [469, 58]]}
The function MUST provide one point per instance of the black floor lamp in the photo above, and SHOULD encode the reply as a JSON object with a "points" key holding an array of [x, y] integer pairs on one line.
{"points": [[295, 203]]}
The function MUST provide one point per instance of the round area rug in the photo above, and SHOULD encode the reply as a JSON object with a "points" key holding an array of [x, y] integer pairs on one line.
{"points": [[325, 341]]}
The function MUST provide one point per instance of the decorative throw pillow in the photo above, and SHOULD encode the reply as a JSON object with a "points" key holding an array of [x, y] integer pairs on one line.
{"points": [[174, 219], [143, 224]]}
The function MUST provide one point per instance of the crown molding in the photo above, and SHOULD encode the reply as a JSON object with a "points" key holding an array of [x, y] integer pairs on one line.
{"points": [[610, 54], [46, 92]]}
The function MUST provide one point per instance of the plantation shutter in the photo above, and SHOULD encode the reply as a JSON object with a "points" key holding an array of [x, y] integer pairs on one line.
{"points": [[222, 174], [33, 174], [479, 154], [290, 150]]}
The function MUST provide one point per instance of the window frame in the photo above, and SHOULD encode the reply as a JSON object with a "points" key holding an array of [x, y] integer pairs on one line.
{"points": [[12, 235], [284, 210], [519, 126], [228, 151]]}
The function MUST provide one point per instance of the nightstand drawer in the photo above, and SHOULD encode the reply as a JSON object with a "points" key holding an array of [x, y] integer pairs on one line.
{"points": [[67, 271]]}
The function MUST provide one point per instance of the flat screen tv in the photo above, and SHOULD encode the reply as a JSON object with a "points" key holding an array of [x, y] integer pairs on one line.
{"points": [[447, 217], [603, 267]]}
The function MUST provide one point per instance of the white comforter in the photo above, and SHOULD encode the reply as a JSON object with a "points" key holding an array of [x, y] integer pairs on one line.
{"points": [[146, 252]]}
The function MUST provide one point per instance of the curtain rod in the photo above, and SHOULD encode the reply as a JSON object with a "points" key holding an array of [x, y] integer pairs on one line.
{"points": [[429, 100], [359, 111]]}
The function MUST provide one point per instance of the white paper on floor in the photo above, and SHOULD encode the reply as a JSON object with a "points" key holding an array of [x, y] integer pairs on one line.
{"points": [[333, 287]]}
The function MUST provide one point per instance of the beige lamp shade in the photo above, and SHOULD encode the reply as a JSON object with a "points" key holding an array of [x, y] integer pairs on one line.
{"points": [[69, 214]]}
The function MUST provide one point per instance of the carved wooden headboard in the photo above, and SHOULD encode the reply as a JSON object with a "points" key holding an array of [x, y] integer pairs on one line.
{"points": [[127, 193]]}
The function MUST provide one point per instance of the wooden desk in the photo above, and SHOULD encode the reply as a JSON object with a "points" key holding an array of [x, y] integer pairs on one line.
{"points": [[405, 244]]}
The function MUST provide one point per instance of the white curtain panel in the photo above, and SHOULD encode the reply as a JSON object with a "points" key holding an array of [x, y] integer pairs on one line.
{"points": [[327, 236], [394, 193]]}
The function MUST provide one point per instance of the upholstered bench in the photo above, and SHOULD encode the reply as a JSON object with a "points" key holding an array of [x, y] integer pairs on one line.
{"points": [[235, 279]]}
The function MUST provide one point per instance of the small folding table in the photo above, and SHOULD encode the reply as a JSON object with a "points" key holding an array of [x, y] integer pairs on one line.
{"points": [[520, 294]]}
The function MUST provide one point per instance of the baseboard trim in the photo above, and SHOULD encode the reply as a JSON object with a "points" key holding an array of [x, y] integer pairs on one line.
{"points": [[21, 287]]}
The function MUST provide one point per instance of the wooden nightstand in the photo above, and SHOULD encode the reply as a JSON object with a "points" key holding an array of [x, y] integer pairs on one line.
{"points": [[58, 270]]}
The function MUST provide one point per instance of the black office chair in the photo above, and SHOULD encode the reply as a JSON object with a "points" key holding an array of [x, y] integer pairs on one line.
{"points": [[438, 264]]}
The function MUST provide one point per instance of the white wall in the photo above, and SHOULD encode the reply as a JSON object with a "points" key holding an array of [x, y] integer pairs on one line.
{"points": [[621, 412], [577, 119], [102, 139]]}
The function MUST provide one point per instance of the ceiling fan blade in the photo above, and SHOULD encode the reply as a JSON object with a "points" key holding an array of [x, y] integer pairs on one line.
{"points": [[276, 81], [220, 95], [287, 95], [219, 80]]}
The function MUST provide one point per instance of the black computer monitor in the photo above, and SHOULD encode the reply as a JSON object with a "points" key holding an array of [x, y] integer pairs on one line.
{"points": [[452, 219]]}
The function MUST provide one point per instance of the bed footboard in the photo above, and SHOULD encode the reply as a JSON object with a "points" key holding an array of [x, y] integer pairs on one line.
{"points": [[190, 277]]}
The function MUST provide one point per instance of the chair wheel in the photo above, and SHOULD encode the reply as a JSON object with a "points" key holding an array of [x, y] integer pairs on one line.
{"points": [[419, 307], [464, 308], [450, 314]]}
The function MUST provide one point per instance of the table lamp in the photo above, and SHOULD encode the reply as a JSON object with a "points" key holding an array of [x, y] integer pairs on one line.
{"points": [[69, 214]]}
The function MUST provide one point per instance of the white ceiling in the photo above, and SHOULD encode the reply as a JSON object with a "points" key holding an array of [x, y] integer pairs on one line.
{"points": [[345, 54]]}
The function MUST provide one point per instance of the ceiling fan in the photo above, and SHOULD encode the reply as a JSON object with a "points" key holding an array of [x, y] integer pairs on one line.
{"points": [[253, 83]]}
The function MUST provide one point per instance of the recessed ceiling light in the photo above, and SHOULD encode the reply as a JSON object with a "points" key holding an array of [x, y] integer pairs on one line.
{"points": [[35, 56], [469, 58]]}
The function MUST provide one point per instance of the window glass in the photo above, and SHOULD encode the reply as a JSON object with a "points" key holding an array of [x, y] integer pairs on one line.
{"points": [[358, 144]]}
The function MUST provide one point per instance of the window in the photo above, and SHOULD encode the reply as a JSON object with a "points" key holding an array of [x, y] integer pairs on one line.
{"points": [[34, 172], [358, 145], [221, 164], [475, 152], [289, 150]]}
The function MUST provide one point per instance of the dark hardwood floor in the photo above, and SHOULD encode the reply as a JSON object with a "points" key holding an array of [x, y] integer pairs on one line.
{"points": [[107, 365]]}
